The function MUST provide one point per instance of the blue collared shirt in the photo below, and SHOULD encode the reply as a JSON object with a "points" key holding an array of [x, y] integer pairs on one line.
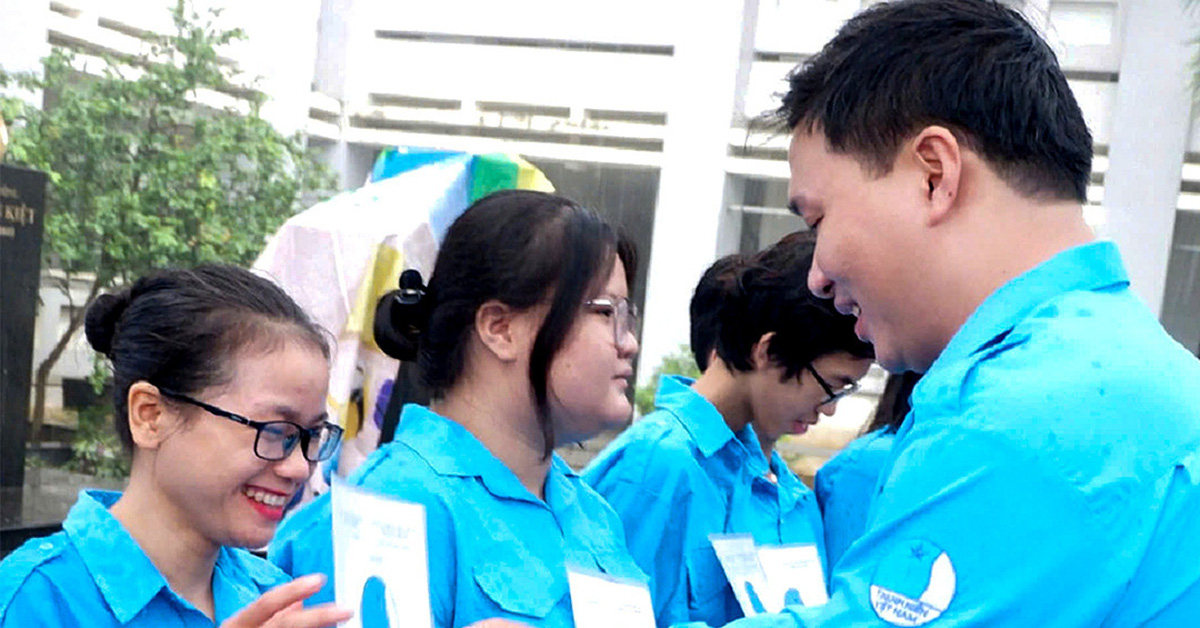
{"points": [[1047, 475], [94, 574], [680, 474], [845, 486], [495, 550]]}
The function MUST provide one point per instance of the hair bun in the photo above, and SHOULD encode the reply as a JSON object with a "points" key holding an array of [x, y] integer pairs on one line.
{"points": [[100, 323], [401, 316]]}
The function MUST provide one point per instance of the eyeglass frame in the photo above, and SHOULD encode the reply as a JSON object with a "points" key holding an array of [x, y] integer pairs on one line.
{"points": [[831, 395], [631, 314], [304, 435]]}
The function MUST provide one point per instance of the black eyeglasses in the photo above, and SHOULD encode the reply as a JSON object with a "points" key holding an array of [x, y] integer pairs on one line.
{"points": [[623, 313], [832, 396], [275, 440]]}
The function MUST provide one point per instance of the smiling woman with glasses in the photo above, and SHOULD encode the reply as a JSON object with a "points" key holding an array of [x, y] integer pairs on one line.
{"points": [[187, 346]]}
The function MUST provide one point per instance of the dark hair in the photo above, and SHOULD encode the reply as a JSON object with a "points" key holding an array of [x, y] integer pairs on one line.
{"points": [[894, 402], [521, 248], [716, 284], [768, 292], [179, 329], [974, 66]]}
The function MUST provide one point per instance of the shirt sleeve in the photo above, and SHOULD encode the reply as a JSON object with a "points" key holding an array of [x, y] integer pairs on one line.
{"points": [[844, 487], [443, 562], [37, 603], [655, 518], [400, 478], [971, 529], [304, 545]]}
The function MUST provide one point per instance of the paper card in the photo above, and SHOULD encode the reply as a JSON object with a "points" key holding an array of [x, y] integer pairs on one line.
{"points": [[602, 601], [381, 571], [794, 576], [739, 559]]}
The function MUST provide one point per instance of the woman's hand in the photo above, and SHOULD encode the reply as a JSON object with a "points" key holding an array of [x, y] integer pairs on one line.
{"points": [[283, 607]]}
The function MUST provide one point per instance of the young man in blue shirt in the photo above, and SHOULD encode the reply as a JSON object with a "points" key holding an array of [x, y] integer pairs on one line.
{"points": [[774, 359], [1047, 473]]}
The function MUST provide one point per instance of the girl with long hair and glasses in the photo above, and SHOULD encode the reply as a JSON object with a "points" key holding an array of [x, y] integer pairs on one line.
{"points": [[525, 338]]}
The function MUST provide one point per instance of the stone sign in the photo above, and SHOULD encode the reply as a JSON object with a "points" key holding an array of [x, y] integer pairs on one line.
{"points": [[22, 200]]}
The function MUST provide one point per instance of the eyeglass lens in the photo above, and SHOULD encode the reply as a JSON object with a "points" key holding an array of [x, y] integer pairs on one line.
{"points": [[277, 439], [626, 320]]}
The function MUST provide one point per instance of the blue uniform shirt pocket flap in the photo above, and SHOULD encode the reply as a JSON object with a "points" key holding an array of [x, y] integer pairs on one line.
{"points": [[526, 589]]}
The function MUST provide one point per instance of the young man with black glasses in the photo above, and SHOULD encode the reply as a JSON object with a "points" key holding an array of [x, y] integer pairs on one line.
{"points": [[774, 359]]}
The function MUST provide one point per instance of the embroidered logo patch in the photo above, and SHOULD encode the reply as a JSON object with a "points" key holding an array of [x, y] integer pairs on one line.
{"points": [[913, 584]]}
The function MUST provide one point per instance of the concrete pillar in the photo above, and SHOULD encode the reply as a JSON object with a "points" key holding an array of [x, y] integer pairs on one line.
{"points": [[281, 51], [1150, 124], [344, 35], [343, 63], [729, 226], [713, 51]]}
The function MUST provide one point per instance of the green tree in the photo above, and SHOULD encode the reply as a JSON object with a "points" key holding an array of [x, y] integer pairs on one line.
{"points": [[142, 176], [679, 362]]}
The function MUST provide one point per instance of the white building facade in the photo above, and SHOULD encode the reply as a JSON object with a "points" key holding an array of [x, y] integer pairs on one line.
{"points": [[640, 108]]}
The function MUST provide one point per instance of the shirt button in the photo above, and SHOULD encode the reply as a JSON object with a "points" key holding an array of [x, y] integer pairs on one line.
{"points": [[47, 546]]}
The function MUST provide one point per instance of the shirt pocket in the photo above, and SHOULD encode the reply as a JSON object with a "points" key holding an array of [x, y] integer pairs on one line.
{"points": [[519, 587], [707, 586]]}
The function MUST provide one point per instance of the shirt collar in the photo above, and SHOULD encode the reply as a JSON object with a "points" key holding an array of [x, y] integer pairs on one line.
{"points": [[699, 417], [111, 555], [451, 449], [562, 485], [753, 449], [1093, 266]]}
